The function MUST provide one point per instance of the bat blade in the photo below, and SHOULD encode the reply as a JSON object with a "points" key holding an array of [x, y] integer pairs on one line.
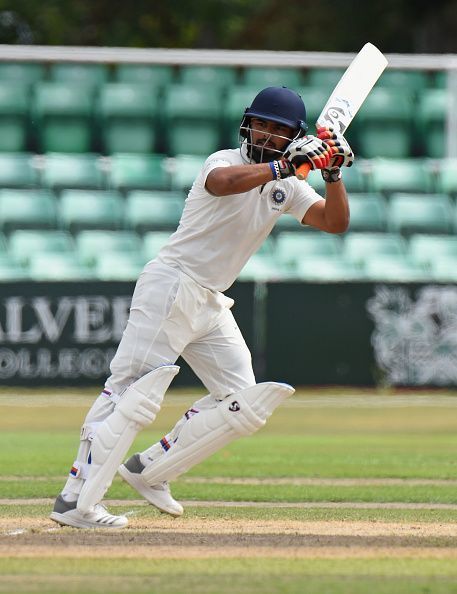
{"points": [[350, 92]]}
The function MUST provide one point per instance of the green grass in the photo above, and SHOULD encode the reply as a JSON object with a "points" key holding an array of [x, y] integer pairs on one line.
{"points": [[328, 438]]}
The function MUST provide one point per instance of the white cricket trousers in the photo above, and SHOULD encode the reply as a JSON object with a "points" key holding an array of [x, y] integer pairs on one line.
{"points": [[172, 315]]}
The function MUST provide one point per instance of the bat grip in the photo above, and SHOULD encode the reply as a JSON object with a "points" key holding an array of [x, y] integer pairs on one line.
{"points": [[302, 171]]}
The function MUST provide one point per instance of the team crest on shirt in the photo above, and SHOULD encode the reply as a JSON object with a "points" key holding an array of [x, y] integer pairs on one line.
{"points": [[278, 196]]}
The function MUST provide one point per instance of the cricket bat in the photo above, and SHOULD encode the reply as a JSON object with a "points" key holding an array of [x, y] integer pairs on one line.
{"points": [[350, 93]]}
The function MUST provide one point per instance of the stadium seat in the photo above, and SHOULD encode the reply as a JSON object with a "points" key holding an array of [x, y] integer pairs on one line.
{"points": [[139, 172], [118, 266], [431, 114], [128, 114], [262, 76], [368, 212], [27, 209], [427, 249], [261, 268], [326, 269], [325, 78], [153, 211], [157, 76], [14, 116], [17, 171], [221, 77], [314, 98], [238, 98], [24, 243], [393, 268], [72, 171], [88, 75], [63, 117], [192, 119], [57, 267], [91, 209], [153, 241], [444, 269], [183, 171], [419, 213], [399, 175], [361, 247], [287, 222], [447, 176], [90, 244], [10, 272], [292, 248], [22, 72], [411, 81], [384, 124]]}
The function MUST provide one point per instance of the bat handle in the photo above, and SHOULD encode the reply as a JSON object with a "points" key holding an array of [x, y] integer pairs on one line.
{"points": [[302, 171]]}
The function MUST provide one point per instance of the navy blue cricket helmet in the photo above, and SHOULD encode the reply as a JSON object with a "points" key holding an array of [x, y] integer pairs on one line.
{"points": [[277, 104]]}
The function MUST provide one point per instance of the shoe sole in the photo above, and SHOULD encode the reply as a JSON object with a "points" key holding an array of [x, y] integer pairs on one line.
{"points": [[64, 520], [137, 483]]}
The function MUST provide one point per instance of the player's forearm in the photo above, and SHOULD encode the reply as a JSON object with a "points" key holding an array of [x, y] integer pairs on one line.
{"points": [[336, 211], [237, 179]]}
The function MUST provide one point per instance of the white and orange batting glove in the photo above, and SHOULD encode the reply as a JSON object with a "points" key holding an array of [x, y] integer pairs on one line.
{"points": [[310, 150], [342, 155]]}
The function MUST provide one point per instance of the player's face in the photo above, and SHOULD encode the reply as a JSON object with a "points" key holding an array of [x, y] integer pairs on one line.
{"points": [[269, 138]]}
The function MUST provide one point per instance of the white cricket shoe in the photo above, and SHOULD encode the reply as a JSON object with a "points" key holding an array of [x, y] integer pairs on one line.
{"points": [[158, 495], [66, 514]]}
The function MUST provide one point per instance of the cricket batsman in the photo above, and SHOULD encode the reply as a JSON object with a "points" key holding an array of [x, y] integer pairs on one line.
{"points": [[179, 309]]}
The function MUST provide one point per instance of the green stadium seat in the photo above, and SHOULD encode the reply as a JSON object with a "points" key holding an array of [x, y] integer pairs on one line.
{"points": [[27, 209], [17, 171], [24, 243], [393, 268], [91, 209], [192, 119], [72, 171], [314, 99], [326, 78], [157, 76], [139, 172], [444, 269], [153, 211], [127, 115], [428, 249], [287, 222], [91, 243], [22, 72], [413, 81], [361, 247], [431, 114], [14, 116], [326, 269], [384, 124], [293, 247], [263, 76], [57, 267], [447, 176], [3, 245], [399, 175], [238, 98], [183, 171], [420, 213], [368, 212], [9, 271], [63, 117], [89, 75], [261, 268], [120, 267], [220, 77], [153, 242]]}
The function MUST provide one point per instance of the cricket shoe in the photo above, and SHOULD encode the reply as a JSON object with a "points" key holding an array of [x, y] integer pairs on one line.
{"points": [[65, 513], [158, 495]]}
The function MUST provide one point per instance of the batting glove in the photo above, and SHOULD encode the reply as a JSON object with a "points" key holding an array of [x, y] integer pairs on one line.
{"points": [[342, 152], [311, 150]]}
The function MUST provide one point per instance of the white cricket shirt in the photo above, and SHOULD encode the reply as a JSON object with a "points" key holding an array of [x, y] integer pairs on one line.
{"points": [[217, 235]]}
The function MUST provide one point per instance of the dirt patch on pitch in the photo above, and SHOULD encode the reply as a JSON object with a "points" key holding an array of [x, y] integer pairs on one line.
{"points": [[191, 538]]}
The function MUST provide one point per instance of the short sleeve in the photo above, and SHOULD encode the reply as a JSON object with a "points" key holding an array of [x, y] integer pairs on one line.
{"points": [[304, 196]]}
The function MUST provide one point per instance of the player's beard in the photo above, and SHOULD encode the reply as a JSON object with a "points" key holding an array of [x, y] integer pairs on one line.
{"points": [[264, 155]]}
